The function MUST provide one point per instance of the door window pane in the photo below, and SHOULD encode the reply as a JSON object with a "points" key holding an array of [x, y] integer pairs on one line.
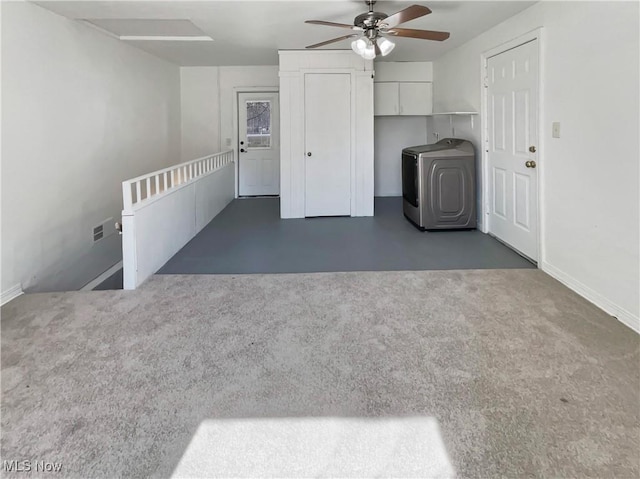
{"points": [[259, 124]]}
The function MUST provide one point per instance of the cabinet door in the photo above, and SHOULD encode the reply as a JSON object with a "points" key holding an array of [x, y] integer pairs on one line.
{"points": [[415, 98], [385, 99]]}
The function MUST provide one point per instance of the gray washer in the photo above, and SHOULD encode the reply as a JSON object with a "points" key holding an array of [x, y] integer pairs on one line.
{"points": [[439, 185]]}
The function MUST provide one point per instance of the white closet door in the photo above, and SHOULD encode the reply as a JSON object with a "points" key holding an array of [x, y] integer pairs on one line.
{"points": [[327, 144]]}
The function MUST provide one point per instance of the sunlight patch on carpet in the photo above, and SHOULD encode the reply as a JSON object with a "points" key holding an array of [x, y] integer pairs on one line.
{"points": [[317, 447]]}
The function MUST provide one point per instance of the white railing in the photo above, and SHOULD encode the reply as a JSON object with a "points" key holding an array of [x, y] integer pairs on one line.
{"points": [[165, 209], [150, 186]]}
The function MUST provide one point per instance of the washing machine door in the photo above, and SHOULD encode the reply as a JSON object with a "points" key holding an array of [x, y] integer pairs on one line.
{"points": [[410, 178]]}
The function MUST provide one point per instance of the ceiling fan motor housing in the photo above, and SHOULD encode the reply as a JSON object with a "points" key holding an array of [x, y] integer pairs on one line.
{"points": [[369, 20]]}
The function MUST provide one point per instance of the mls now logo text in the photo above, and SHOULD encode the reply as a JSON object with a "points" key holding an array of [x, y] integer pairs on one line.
{"points": [[31, 466]]}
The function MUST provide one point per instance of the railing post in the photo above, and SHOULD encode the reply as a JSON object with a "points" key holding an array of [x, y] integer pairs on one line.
{"points": [[127, 200]]}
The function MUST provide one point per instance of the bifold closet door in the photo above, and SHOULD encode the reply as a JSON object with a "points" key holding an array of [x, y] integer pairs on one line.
{"points": [[328, 144]]}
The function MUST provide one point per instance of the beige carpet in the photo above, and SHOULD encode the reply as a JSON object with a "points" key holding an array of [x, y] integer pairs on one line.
{"points": [[520, 376]]}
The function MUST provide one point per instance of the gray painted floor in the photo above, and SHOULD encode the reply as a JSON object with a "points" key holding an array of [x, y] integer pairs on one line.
{"points": [[249, 237], [115, 281]]}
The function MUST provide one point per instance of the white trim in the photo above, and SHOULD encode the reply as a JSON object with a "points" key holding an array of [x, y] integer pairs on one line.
{"points": [[11, 294], [625, 317], [92, 284], [536, 34], [157, 38], [100, 29], [166, 38]]}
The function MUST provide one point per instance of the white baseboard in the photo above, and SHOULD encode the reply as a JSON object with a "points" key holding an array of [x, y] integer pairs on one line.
{"points": [[621, 314], [11, 293], [92, 284]]}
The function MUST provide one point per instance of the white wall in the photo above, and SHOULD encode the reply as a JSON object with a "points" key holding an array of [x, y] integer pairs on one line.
{"points": [[391, 135], [208, 98], [590, 176], [200, 107], [81, 113], [231, 80]]}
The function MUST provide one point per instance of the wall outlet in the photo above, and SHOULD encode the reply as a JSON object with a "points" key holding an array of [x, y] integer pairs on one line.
{"points": [[555, 129]]}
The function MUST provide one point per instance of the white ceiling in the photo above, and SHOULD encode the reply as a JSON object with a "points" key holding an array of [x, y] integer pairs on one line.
{"points": [[251, 32]]}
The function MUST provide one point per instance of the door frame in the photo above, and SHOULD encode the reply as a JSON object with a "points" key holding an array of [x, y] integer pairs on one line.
{"points": [[236, 125], [537, 35]]}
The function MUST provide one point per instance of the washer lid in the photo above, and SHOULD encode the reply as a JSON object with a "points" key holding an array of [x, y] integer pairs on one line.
{"points": [[452, 146]]}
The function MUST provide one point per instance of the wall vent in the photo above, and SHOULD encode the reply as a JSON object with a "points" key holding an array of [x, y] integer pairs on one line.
{"points": [[98, 233], [103, 230]]}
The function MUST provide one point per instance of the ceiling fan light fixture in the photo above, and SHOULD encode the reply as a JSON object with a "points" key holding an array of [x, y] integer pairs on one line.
{"points": [[359, 46], [385, 46], [369, 52]]}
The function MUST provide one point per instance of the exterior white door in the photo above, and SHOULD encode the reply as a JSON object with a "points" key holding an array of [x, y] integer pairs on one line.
{"points": [[328, 144], [258, 144], [512, 102]]}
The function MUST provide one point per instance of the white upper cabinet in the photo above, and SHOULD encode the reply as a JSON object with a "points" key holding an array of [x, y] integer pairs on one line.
{"points": [[416, 98], [403, 89], [403, 98], [386, 98]]}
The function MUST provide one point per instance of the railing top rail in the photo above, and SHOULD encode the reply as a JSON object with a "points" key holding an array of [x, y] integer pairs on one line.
{"points": [[157, 184], [174, 167]]}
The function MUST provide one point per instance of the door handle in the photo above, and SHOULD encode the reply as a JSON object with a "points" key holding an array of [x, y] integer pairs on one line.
{"points": [[242, 150], [530, 164], [532, 149], [309, 153]]}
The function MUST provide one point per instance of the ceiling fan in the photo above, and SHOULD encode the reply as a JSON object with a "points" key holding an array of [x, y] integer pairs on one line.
{"points": [[374, 27]]}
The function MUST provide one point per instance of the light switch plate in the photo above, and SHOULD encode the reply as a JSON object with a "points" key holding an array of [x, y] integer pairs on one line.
{"points": [[555, 129]]}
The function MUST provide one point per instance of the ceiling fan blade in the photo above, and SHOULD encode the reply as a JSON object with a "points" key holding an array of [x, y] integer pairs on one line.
{"points": [[409, 13], [332, 24], [421, 34], [333, 40]]}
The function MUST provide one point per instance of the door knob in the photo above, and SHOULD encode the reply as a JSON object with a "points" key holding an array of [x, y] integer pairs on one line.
{"points": [[242, 150], [530, 164], [532, 149], [309, 153]]}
